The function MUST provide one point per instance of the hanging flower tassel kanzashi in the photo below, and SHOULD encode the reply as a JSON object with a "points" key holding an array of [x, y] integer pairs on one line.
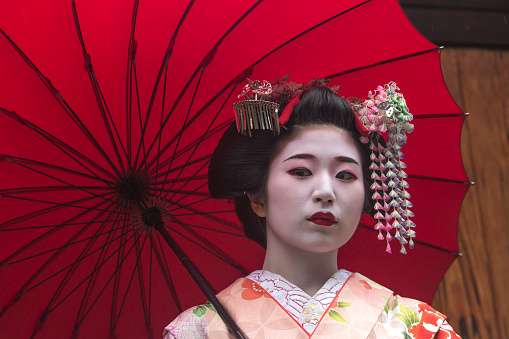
{"points": [[385, 111]]}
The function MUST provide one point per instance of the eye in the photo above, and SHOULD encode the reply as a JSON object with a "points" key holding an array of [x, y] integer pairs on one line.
{"points": [[345, 175], [300, 172]]}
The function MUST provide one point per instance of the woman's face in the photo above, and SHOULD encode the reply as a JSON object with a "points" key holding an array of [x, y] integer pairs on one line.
{"points": [[315, 191]]}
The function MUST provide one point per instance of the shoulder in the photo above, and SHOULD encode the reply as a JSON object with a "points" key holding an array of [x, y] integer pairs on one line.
{"points": [[198, 321], [405, 317], [189, 324]]}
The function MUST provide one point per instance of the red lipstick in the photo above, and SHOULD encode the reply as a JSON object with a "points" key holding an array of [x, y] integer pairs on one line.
{"points": [[322, 219]]}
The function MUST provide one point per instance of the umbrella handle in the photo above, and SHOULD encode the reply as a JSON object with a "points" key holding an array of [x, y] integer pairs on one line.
{"points": [[200, 280]]}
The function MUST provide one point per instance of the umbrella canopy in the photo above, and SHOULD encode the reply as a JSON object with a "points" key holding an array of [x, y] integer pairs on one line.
{"points": [[111, 109]]}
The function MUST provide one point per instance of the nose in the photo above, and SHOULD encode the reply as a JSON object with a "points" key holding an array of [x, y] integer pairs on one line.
{"points": [[323, 190]]}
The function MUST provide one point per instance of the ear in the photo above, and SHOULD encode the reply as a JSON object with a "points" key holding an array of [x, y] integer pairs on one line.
{"points": [[258, 205]]}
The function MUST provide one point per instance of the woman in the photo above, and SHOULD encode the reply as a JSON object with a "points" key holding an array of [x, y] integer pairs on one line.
{"points": [[300, 194]]}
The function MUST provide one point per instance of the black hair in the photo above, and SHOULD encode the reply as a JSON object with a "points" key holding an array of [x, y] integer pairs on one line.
{"points": [[240, 164]]}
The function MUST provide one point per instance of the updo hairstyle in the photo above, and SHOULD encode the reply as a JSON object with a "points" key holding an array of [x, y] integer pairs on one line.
{"points": [[240, 164]]}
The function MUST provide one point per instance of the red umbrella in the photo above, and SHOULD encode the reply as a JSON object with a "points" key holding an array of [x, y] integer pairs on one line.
{"points": [[110, 110]]}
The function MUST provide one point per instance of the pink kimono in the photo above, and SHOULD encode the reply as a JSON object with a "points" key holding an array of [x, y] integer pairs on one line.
{"points": [[360, 308]]}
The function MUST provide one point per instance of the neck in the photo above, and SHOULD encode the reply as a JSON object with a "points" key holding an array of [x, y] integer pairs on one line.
{"points": [[310, 271]]}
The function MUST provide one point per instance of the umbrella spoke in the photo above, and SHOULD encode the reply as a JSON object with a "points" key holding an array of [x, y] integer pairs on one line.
{"points": [[55, 93], [181, 131], [183, 179], [215, 251], [45, 235], [116, 283], [145, 301], [73, 267], [91, 274], [199, 142], [383, 62], [221, 254], [190, 145], [101, 102], [205, 62], [62, 146], [69, 244], [67, 204], [165, 270], [25, 288], [34, 163], [102, 196], [208, 215], [38, 213], [136, 243], [129, 74], [164, 66]]}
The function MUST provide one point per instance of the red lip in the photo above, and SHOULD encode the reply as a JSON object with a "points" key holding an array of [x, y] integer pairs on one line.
{"points": [[322, 219]]}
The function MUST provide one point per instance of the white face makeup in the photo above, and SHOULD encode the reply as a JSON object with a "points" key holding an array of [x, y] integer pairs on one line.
{"points": [[315, 191]]}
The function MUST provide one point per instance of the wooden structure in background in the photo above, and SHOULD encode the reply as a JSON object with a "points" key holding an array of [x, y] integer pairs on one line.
{"points": [[475, 293], [461, 22]]}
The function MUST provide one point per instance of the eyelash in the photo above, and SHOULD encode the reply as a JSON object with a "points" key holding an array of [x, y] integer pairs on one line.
{"points": [[304, 172]]}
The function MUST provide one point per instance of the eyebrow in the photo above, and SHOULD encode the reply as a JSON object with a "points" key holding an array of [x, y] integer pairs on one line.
{"points": [[309, 156]]}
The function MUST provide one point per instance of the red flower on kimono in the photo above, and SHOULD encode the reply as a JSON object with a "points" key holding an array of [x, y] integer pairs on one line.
{"points": [[252, 290], [366, 284]]}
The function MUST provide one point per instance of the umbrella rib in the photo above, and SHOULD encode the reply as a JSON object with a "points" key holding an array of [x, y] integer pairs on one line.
{"points": [[204, 63], [101, 103], [4, 263], [130, 59], [370, 227], [62, 181], [181, 131], [446, 115], [145, 303], [207, 215], [88, 289], [54, 92], [198, 143], [383, 62], [213, 230], [423, 177], [226, 258], [166, 272], [68, 204], [79, 321], [53, 167], [66, 278], [62, 146], [69, 244], [164, 66], [117, 274], [128, 286], [38, 213], [309, 30], [54, 225], [142, 140], [217, 255], [23, 290], [86, 278], [192, 144]]}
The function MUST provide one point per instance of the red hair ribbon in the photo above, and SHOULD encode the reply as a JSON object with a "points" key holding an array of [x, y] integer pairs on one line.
{"points": [[287, 112]]}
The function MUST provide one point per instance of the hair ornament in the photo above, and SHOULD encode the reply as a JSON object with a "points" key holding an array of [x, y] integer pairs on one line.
{"points": [[383, 112]]}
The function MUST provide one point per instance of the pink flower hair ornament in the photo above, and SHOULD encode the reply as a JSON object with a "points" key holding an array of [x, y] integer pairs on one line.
{"points": [[383, 112]]}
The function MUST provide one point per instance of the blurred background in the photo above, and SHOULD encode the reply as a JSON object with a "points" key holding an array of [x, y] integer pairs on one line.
{"points": [[474, 293]]}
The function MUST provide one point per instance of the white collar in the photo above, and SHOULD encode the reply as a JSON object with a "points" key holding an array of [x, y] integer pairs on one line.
{"points": [[305, 309]]}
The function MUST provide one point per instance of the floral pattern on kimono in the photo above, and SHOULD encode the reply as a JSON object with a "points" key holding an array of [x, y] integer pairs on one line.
{"points": [[360, 309]]}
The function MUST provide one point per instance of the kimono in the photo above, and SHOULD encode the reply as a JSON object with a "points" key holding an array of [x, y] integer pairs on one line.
{"points": [[349, 305]]}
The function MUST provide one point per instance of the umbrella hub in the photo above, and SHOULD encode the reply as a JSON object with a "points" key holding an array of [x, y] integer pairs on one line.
{"points": [[132, 189], [152, 216]]}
